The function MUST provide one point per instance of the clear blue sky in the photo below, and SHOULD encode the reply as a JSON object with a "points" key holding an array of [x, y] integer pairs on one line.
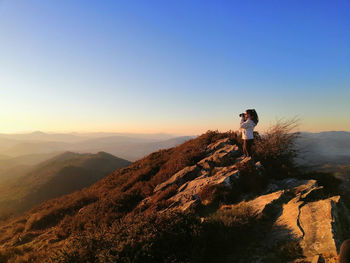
{"points": [[173, 66]]}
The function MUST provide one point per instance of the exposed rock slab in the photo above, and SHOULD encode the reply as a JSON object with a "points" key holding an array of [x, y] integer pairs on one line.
{"points": [[190, 190], [184, 175], [257, 205], [221, 157], [317, 222], [287, 223], [217, 145], [299, 210]]}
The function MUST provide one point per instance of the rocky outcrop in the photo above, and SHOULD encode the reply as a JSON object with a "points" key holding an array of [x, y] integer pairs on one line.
{"points": [[304, 216], [181, 177], [319, 231], [301, 212], [187, 195], [217, 168]]}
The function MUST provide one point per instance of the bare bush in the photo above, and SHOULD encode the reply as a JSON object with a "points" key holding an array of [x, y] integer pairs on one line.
{"points": [[277, 148]]}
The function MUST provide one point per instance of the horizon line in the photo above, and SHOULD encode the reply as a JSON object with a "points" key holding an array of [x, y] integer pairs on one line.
{"points": [[135, 133]]}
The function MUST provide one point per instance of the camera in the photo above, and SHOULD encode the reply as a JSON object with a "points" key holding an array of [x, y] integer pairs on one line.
{"points": [[242, 115]]}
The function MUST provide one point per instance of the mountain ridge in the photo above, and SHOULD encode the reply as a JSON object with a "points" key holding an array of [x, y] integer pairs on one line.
{"points": [[61, 174], [219, 205]]}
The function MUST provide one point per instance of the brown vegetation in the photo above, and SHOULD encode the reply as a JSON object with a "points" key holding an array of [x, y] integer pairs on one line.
{"points": [[276, 149]]}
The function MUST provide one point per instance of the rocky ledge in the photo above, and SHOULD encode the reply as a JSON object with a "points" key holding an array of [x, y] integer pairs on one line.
{"points": [[303, 213]]}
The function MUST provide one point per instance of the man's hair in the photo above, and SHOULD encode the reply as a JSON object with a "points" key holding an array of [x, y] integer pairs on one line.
{"points": [[254, 115]]}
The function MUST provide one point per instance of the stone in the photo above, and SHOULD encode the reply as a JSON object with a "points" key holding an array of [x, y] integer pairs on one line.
{"points": [[184, 175], [217, 145], [287, 223], [258, 204], [192, 188], [316, 220], [223, 156]]}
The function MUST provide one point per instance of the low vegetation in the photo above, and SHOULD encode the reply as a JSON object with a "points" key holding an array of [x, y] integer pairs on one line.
{"points": [[276, 149]]}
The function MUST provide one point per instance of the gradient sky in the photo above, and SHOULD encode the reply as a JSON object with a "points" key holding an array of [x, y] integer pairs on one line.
{"points": [[173, 66]]}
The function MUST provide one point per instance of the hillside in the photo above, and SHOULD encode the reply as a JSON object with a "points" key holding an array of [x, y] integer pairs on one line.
{"points": [[197, 202], [62, 174], [12, 167]]}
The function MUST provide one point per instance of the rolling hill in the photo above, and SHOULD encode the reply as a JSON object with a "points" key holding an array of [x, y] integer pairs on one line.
{"points": [[12, 167], [62, 174]]}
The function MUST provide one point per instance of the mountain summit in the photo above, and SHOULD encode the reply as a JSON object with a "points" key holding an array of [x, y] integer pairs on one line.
{"points": [[201, 201]]}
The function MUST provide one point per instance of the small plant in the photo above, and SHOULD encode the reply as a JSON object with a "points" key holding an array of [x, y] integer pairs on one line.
{"points": [[276, 149]]}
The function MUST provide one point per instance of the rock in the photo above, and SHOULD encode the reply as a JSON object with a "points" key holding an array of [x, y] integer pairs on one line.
{"points": [[259, 166], [257, 205], [224, 156], [306, 186], [297, 211], [287, 224], [317, 223], [217, 145], [184, 175], [192, 188], [309, 219], [316, 193]]}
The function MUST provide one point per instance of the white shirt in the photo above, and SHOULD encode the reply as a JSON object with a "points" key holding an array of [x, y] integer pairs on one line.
{"points": [[247, 128]]}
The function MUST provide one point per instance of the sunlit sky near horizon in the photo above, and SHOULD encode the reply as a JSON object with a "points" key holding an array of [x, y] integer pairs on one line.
{"points": [[180, 67]]}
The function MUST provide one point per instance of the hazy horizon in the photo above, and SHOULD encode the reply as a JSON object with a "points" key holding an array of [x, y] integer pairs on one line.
{"points": [[177, 67], [133, 133]]}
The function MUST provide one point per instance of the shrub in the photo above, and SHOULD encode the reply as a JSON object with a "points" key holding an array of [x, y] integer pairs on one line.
{"points": [[225, 236], [250, 180], [276, 149]]}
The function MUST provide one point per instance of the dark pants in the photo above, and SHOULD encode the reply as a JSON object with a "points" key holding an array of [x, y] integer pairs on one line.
{"points": [[247, 147]]}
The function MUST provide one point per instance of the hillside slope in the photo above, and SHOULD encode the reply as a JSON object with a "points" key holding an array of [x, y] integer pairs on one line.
{"points": [[198, 202], [12, 167], [62, 174]]}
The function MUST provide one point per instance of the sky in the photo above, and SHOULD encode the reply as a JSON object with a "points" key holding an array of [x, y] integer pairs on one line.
{"points": [[175, 66]]}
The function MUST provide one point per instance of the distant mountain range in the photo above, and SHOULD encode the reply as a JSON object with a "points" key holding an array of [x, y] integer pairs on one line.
{"points": [[62, 174], [127, 146], [316, 148], [332, 147]]}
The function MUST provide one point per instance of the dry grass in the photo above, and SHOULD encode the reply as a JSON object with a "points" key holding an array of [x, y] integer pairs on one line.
{"points": [[277, 149]]}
